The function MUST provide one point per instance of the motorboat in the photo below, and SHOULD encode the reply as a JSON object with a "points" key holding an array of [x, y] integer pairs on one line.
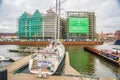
{"points": [[2, 58], [47, 60]]}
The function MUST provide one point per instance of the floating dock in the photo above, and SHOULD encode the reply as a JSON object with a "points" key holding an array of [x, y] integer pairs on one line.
{"points": [[69, 72]]}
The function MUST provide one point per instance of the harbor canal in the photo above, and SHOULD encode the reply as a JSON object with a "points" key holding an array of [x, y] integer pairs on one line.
{"points": [[84, 62]]}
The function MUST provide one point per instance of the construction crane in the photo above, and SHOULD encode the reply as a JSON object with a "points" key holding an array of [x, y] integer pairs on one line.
{"points": [[57, 4]]}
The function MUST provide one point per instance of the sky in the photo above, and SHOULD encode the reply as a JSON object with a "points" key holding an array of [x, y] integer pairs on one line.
{"points": [[107, 12]]}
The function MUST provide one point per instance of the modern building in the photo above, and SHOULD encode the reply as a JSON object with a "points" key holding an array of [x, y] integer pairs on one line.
{"points": [[35, 25], [30, 26], [23, 24], [81, 25], [39, 26], [50, 25]]}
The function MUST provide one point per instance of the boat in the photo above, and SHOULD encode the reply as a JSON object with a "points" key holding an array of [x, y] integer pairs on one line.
{"points": [[48, 60], [116, 48], [2, 58], [13, 50], [110, 55]]}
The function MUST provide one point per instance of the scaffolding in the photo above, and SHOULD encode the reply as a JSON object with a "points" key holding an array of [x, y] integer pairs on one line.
{"points": [[50, 24], [30, 27], [82, 36]]}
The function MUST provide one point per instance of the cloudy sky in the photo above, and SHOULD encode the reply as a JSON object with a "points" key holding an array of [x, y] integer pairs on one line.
{"points": [[107, 12]]}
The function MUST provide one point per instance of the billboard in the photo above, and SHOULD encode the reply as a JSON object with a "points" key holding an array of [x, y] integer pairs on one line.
{"points": [[78, 25]]}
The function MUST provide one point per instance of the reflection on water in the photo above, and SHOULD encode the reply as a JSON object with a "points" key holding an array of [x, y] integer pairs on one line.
{"points": [[90, 64], [83, 61]]}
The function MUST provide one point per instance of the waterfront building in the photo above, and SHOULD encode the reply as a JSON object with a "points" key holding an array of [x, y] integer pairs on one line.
{"points": [[49, 25], [38, 26], [81, 25], [35, 26], [105, 36], [117, 37], [23, 24], [30, 26]]}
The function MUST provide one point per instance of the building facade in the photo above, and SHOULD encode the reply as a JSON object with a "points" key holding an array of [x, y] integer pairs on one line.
{"points": [[49, 25], [83, 22], [38, 26], [30, 26]]}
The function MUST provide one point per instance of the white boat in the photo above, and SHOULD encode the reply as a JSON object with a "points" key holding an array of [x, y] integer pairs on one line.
{"points": [[116, 48], [48, 60], [2, 58]]}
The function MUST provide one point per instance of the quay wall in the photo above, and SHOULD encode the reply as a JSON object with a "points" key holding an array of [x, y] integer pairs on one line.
{"points": [[46, 43]]}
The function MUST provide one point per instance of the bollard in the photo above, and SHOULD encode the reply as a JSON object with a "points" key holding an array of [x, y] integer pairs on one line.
{"points": [[3, 74]]}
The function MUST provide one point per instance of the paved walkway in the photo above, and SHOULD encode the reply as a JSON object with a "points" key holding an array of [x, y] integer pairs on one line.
{"points": [[16, 65]]}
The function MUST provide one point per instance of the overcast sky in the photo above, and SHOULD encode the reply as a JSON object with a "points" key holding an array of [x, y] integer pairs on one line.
{"points": [[107, 12]]}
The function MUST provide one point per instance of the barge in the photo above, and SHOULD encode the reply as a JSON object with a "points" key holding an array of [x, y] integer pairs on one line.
{"points": [[112, 56]]}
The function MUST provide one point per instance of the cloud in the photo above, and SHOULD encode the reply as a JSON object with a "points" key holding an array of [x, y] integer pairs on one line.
{"points": [[10, 11], [107, 11]]}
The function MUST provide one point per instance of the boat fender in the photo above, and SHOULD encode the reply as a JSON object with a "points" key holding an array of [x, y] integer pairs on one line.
{"points": [[45, 75], [40, 73]]}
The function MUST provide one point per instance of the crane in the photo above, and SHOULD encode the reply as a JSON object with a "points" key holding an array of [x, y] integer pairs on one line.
{"points": [[57, 4]]}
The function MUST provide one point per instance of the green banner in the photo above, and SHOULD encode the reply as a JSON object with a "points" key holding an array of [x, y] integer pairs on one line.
{"points": [[79, 25]]}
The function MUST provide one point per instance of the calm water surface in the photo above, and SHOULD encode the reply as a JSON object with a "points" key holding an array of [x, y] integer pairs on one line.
{"points": [[84, 62], [4, 52], [90, 64]]}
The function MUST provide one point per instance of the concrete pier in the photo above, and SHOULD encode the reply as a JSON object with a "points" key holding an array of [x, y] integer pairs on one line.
{"points": [[68, 69], [27, 76]]}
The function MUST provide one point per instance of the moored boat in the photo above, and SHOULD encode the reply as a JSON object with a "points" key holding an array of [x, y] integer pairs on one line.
{"points": [[2, 58], [112, 56], [47, 61]]}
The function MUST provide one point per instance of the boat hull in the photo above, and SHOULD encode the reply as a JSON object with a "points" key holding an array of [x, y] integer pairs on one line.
{"points": [[58, 70], [96, 52]]}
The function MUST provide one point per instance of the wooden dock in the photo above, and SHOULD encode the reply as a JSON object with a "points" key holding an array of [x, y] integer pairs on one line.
{"points": [[27, 76]]}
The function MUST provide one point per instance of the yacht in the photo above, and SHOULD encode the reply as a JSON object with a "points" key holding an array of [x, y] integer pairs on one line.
{"points": [[48, 60]]}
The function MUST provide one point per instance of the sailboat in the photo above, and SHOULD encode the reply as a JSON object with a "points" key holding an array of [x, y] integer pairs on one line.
{"points": [[48, 60]]}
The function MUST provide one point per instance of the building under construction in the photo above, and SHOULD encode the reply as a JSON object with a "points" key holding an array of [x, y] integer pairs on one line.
{"points": [[30, 26], [49, 24], [80, 25], [38, 26]]}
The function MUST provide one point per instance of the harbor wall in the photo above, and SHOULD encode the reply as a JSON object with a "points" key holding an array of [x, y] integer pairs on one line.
{"points": [[46, 43]]}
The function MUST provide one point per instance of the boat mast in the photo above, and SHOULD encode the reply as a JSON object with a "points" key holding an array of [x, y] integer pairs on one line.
{"points": [[58, 19]]}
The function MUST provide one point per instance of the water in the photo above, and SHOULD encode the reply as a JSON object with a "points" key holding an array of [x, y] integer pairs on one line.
{"points": [[5, 52], [83, 61], [90, 64]]}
